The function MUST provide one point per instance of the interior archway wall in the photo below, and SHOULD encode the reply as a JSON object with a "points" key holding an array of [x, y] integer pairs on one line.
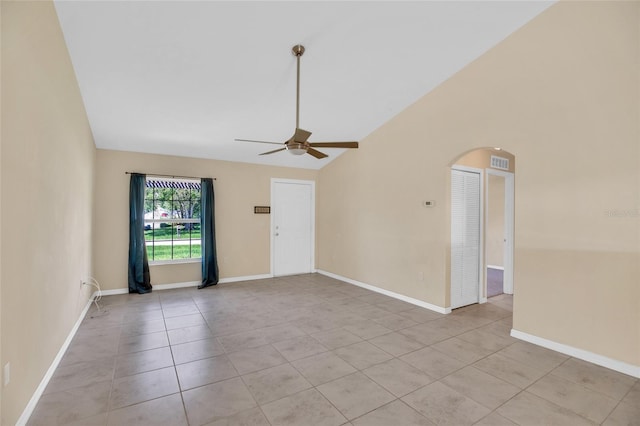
{"points": [[478, 158]]}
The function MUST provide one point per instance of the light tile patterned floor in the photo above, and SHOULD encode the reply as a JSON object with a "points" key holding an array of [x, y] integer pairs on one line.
{"points": [[310, 350]]}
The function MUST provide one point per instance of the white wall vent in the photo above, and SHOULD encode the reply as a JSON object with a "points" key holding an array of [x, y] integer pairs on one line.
{"points": [[499, 163]]}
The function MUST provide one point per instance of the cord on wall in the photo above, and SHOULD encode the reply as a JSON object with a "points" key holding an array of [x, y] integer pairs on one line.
{"points": [[98, 295]]}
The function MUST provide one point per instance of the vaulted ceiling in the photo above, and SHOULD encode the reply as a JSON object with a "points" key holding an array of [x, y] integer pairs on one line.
{"points": [[187, 78]]}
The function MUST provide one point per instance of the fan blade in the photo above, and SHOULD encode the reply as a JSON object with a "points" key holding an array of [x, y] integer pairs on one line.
{"points": [[250, 140], [301, 135], [316, 153], [271, 152], [335, 144]]}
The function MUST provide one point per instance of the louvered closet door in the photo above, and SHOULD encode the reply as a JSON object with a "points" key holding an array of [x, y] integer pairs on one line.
{"points": [[465, 238]]}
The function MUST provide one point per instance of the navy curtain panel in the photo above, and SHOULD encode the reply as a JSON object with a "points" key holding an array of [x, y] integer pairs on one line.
{"points": [[208, 234], [139, 278]]}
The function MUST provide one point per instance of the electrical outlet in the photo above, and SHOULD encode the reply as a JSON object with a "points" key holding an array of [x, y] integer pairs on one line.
{"points": [[6, 373]]}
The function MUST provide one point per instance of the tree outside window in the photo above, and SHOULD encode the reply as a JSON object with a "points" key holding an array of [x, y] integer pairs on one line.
{"points": [[172, 219]]}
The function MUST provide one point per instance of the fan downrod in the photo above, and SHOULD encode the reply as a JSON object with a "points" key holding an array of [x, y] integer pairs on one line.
{"points": [[298, 50]]}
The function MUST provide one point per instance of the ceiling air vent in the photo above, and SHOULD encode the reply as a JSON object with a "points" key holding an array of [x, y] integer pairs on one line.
{"points": [[499, 163]]}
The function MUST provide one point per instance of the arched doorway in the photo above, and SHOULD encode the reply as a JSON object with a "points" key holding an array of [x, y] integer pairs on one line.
{"points": [[482, 218]]}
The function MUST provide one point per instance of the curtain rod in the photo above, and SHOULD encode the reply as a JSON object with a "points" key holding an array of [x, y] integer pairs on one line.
{"points": [[167, 176]]}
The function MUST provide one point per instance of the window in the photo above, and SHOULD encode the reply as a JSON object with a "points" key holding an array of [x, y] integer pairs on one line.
{"points": [[172, 219]]}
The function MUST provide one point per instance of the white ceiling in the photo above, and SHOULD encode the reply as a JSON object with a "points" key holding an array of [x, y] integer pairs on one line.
{"points": [[186, 78]]}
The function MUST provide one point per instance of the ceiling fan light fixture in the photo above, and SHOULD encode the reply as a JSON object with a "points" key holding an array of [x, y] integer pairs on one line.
{"points": [[296, 148], [298, 143]]}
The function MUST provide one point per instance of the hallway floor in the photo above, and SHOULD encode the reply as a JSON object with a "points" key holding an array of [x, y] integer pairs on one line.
{"points": [[311, 350]]}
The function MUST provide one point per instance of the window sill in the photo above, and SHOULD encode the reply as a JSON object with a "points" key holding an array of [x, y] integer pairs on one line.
{"points": [[174, 262]]}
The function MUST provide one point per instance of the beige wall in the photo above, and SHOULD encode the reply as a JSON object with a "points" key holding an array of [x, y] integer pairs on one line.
{"points": [[562, 95], [494, 236], [47, 160], [242, 237]]}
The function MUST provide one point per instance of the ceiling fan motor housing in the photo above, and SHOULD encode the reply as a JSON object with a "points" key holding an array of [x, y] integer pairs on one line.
{"points": [[296, 148]]}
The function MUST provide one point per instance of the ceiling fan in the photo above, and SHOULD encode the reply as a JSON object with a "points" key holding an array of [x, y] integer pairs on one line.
{"points": [[298, 144]]}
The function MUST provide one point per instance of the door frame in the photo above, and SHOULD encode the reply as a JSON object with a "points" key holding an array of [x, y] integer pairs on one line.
{"points": [[509, 213], [312, 240], [481, 260]]}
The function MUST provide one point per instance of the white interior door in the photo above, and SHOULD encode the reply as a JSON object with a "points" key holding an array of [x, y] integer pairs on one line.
{"points": [[465, 237], [292, 226]]}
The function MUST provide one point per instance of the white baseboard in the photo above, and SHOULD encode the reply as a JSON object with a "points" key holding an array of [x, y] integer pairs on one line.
{"points": [[398, 296], [31, 405], [189, 284], [247, 278], [171, 286], [501, 268], [613, 364], [114, 292], [221, 281]]}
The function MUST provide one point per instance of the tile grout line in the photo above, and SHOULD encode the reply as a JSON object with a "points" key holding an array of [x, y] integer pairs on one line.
{"points": [[166, 301], [180, 392]]}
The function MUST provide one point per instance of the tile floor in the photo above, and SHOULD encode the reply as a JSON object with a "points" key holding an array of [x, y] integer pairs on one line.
{"points": [[311, 350]]}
